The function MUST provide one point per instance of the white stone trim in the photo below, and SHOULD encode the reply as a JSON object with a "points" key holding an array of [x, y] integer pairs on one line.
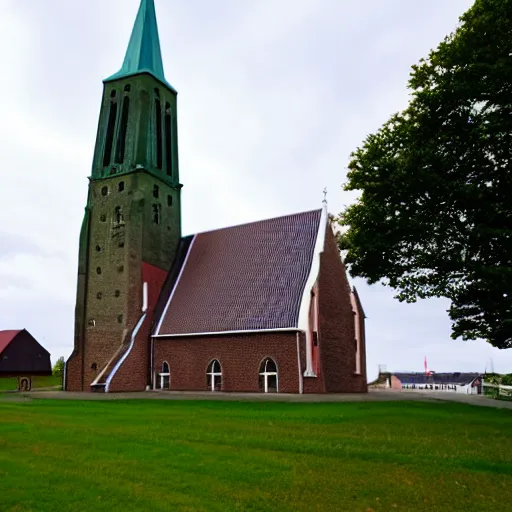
{"points": [[305, 304], [157, 330], [357, 320], [215, 333], [132, 342]]}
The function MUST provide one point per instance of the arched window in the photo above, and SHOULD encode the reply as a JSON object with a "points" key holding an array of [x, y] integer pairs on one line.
{"points": [[121, 137], [158, 121], [214, 376], [165, 376], [168, 140], [268, 376], [111, 124]]}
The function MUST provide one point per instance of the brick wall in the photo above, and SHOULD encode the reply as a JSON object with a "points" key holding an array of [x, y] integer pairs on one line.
{"points": [[337, 344], [239, 355], [133, 373]]}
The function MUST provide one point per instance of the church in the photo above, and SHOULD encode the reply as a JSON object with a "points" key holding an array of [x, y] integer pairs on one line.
{"points": [[263, 307]]}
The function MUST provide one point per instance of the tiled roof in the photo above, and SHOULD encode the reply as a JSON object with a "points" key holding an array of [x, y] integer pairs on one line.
{"points": [[243, 278], [6, 337]]}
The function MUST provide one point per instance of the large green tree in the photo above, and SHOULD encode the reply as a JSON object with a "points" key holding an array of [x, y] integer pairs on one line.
{"points": [[434, 217]]}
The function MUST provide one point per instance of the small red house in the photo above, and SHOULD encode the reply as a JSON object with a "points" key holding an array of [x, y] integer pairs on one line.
{"points": [[22, 356]]}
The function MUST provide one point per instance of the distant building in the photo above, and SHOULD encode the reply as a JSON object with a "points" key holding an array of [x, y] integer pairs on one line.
{"points": [[458, 382], [22, 356]]}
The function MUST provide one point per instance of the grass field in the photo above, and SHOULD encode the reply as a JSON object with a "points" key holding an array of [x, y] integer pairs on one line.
{"points": [[37, 382], [159, 455]]}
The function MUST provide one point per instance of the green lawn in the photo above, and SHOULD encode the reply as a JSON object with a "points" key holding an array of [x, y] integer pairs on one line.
{"points": [[37, 382], [158, 455]]}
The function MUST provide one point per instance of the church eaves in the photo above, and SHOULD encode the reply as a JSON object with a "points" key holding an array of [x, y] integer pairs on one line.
{"points": [[143, 54]]}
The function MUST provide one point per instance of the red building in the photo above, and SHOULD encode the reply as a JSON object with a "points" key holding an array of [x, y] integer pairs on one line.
{"points": [[265, 306], [23, 357]]}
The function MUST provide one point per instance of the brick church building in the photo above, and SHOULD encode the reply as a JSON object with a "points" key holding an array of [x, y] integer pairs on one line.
{"points": [[261, 307]]}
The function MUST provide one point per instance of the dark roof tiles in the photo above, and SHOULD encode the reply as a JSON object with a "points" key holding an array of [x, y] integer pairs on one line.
{"points": [[243, 278]]}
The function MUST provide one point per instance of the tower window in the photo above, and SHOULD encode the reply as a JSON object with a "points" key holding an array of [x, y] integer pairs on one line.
{"points": [[111, 124], [103, 218], [158, 121], [98, 270], [121, 138], [118, 293], [156, 214], [156, 191], [169, 200], [120, 269], [127, 88], [94, 367], [120, 187], [168, 140], [104, 191], [99, 295], [121, 244], [119, 215], [98, 248], [120, 319]]}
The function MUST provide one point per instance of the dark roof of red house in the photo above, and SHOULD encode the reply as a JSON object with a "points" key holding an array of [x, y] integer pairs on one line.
{"points": [[6, 337], [243, 278]]}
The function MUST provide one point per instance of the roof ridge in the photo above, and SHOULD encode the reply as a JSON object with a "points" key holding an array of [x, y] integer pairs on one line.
{"points": [[316, 210]]}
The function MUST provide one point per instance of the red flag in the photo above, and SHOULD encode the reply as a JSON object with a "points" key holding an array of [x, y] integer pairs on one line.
{"points": [[426, 367]]}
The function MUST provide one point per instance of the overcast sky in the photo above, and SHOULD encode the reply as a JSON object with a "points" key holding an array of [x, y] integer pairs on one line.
{"points": [[273, 97]]}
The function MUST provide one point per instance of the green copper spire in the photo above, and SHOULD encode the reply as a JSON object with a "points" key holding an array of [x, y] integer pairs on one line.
{"points": [[143, 54]]}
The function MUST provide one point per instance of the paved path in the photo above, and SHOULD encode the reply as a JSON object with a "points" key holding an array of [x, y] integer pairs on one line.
{"points": [[372, 396]]}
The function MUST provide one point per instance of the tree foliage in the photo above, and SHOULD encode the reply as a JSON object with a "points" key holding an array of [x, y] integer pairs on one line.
{"points": [[58, 367], [434, 218]]}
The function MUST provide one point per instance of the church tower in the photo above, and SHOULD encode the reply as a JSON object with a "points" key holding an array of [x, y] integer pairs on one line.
{"points": [[132, 223]]}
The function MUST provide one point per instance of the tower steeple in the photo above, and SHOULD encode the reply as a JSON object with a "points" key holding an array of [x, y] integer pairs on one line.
{"points": [[132, 224], [143, 54]]}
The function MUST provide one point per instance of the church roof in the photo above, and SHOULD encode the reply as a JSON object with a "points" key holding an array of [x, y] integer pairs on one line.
{"points": [[6, 337], [243, 278], [143, 54]]}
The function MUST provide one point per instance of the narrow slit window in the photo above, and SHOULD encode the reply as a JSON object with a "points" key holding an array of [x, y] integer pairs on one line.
{"points": [[168, 140], [119, 215], [156, 191], [121, 186], [111, 124], [156, 214], [169, 200], [121, 138], [158, 121]]}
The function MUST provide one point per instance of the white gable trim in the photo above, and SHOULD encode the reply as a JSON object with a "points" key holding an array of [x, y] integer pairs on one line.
{"points": [[215, 333], [157, 330], [305, 303]]}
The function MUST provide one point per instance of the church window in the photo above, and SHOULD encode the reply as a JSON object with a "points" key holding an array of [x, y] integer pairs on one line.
{"points": [[99, 295], [94, 367], [120, 319], [91, 322], [103, 218], [156, 191], [117, 293], [169, 200], [111, 124], [121, 269], [98, 270], [121, 137], [168, 140], [156, 214], [98, 248], [158, 121], [268, 380], [119, 215], [121, 244], [165, 376], [104, 191], [120, 187], [214, 376]]}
